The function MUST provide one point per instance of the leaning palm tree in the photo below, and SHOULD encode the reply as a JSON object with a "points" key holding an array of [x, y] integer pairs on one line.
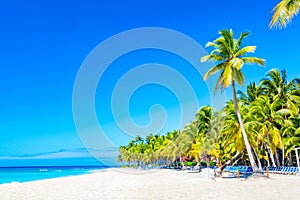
{"points": [[231, 57], [283, 13]]}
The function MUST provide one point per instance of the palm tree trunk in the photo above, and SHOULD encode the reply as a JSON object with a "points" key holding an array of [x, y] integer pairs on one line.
{"points": [[219, 170], [236, 161], [268, 162], [258, 160], [283, 156], [270, 151], [248, 147], [207, 160], [272, 157], [277, 158]]}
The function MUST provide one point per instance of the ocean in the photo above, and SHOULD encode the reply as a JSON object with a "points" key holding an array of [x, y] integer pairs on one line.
{"points": [[25, 174]]}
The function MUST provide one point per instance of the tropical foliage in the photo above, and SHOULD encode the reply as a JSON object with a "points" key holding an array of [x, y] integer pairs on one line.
{"points": [[231, 55], [283, 13], [270, 113], [259, 126]]}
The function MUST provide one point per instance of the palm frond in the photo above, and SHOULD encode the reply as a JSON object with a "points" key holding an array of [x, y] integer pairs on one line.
{"points": [[295, 98], [220, 81], [254, 60], [284, 112], [239, 77], [214, 70], [283, 13], [223, 46], [211, 44], [227, 35], [280, 16], [212, 57], [227, 75], [245, 50], [239, 41]]}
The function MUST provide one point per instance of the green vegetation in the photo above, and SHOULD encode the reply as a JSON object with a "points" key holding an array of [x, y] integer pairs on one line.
{"points": [[283, 13], [231, 57], [269, 111], [260, 126]]}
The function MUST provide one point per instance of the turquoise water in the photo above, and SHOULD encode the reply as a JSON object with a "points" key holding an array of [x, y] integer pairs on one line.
{"points": [[25, 174]]}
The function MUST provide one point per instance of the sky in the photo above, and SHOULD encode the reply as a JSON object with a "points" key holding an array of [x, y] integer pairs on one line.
{"points": [[47, 47]]}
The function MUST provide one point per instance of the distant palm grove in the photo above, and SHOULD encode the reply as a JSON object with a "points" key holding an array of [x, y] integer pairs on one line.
{"points": [[259, 127]]}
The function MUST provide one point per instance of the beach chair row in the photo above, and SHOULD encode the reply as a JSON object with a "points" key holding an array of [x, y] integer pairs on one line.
{"points": [[211, 167], [234, 169], [282, 170]]}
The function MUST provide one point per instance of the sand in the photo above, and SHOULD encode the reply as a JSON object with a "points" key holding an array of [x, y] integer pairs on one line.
{"points": [[153, 184]]}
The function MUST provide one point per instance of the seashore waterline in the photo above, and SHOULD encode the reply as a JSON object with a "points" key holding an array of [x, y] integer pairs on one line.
{"points": [[26, 174]]}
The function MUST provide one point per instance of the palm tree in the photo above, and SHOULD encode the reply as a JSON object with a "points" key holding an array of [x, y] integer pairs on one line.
{"points": [[170, 146], [268, 120], [231, 57], [284, 95], [291, 135], [202, 144], [279, 89], [214, 135], [191, 141], [231, 132], [283, 13]]}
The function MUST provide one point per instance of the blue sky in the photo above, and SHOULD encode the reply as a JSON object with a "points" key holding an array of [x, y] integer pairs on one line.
{"points": [[44, 44]]}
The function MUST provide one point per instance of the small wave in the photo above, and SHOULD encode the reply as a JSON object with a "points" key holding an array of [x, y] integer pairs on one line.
{"points": [[98, 170], [14, 182]]}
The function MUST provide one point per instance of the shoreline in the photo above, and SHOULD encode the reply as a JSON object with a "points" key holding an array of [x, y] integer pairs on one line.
{"points": [[36, 173], [153, 184]]}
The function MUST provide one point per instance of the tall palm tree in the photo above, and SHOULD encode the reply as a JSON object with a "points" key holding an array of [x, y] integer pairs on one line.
{"points": [[231, 57], [283, 13]]}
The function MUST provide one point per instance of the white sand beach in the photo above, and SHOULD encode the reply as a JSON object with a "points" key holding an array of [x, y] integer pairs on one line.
{"points": [[156, 184]]}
